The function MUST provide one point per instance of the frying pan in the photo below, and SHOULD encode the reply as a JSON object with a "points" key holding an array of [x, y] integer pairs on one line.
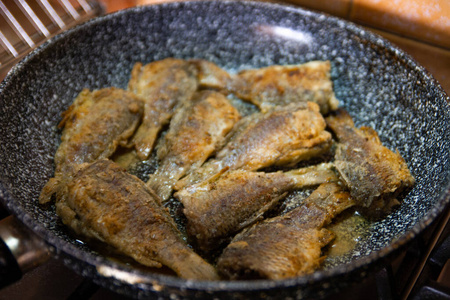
{"points": [[377, 83]]}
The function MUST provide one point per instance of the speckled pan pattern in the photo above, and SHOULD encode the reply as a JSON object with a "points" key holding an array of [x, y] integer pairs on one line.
{"points": [[377, 83]]}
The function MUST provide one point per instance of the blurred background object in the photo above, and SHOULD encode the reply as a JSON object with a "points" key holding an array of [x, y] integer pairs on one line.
{"points": [[24, 25]]}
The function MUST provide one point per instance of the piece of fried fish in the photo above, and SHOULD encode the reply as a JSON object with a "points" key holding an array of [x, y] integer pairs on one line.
{"points": [[281, 85], [102, 201], [374, 174], [94, 125], [289, 245], [196, 129], [221, 206], [163, 84], [282, 136], [211, 76]]}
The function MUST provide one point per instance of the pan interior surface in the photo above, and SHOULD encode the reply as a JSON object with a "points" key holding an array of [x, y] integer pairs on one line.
{"points": [[378, 84]]}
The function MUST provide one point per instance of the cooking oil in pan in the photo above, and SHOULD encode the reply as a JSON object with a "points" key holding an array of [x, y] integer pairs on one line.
{"points": [[349, 228]]}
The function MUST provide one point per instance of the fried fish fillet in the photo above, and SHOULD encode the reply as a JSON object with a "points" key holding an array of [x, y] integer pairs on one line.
{"points": [[196, 129], [212, 76], [221, 206], [282, 136], [95, 124], [163, 84], [289, 245], [374, 174], [104, 202], [93, 127], [281, 85]]}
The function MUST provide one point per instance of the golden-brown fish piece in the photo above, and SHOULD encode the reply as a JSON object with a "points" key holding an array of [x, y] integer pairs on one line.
{"points": [[196, 129], [221, 206], [104, 202], [163, 85], [281, 85], [289, 245], [282, 136], [94, 126], [211, 75], [374, 174]]}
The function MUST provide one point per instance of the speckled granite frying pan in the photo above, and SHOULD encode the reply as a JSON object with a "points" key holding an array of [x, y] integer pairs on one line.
{"points": [[376, 82]]}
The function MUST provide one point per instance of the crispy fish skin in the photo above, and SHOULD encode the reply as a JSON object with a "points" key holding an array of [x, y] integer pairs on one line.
{"points": [[281, 85], [196, 129], [104, 202], [163, 85], [282, 136], [219, 207], [211, 76], [96, 124], [288, 245], [374, 174], [93, 127]]}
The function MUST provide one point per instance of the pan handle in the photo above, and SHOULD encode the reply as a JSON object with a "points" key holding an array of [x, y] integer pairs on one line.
{"points": [[20, 250]]}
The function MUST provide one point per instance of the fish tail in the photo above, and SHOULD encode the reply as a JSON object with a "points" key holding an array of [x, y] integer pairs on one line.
{"points": [[50, 188]]}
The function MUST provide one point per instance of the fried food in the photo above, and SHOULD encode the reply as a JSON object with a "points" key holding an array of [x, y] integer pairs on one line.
{"points": [[282, 136], [289, 245], [196, 130], [211, 76], [163, 85], [93, 127], [223, 205], [229, 171], [281, 85], [374, 174], [104, 202]]}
